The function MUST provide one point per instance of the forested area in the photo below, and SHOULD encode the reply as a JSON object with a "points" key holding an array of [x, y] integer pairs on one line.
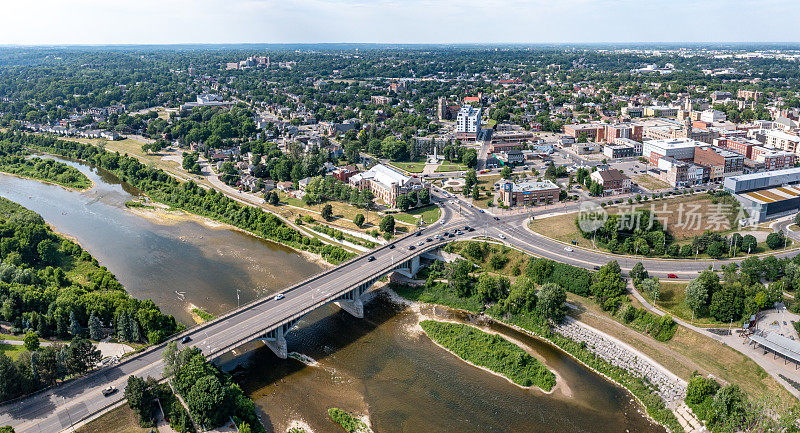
{"points": [[210, 394], [16, 160], [183, 195], [51, 287]]}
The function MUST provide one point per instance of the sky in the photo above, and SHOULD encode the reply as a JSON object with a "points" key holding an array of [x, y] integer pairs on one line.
{"points": [[47, 22]]}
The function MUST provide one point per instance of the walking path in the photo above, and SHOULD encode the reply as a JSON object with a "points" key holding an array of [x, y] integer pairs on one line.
{"points": [[775, 366]]}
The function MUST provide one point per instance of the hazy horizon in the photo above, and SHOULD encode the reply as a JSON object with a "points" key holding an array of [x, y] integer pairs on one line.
{"points": [[491, 22]]}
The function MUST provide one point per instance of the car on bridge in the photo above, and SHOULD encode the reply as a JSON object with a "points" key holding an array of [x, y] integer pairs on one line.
{"points": [[108, 391], [411, 247], [371, 259], [278, 297], [186, 339], [568, 249]]}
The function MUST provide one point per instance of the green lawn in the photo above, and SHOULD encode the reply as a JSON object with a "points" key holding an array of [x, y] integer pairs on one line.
{"points": [[429, 214], [411, 167], [451, 167], [673, 300], [11, 350]]}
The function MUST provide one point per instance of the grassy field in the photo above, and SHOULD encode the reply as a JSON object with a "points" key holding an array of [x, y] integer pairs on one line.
{"points": [[562, 227], [686, 352], [673, 300], [411, 167], [649, 182], [429, 215], [12, 350], [451, 167], [492, 352], [120, 420]]}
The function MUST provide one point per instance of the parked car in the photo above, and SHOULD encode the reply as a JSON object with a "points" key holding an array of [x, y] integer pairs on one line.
{"points": [[278, 297]]}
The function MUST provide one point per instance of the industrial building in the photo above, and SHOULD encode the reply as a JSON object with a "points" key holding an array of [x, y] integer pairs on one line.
{"points": [[767, 195]]}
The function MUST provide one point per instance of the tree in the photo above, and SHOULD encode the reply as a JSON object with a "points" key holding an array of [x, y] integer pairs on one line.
{"points": [[470, 158], [74, 327], [6, 429], [490, 288], [140, 398], [775, 240], [207, 400], [425, 196], [638, 272], [470, 179], [358, 220], [608, 286], [521, 297], [729, 406], [476, 194], [81, 355], [716, 249], [550, 303], [48, 252], [327, 212], [797, 219], [245, 428], [387, 224], [95, 328], [699, 291], [274, 200], [652, 287], [749, 243], [31, 341], [11, 385], [403, 203], [727, 303], [506, 172]]}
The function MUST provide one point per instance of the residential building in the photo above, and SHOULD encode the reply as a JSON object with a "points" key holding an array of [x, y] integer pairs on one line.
{"points": [[743, 146], [722, 162], [468, 123], [528, 193], [614, 182], [773, 159], [386, 183], [782, 140], [380, 100], [749, 94]]}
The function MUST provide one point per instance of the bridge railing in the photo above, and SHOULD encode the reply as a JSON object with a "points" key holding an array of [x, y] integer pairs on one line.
{"points": [[327, 299]]}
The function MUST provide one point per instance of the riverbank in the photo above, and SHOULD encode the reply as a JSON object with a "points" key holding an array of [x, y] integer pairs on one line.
{"points": [[491, 353], [50, 182], [655, 408], [162, 214]]}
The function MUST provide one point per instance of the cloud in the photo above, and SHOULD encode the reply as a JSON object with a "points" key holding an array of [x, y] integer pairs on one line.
{"points": [[394, 21]]}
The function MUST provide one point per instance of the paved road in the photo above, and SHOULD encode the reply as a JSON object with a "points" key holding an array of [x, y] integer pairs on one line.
{"points": [[58, 409]]}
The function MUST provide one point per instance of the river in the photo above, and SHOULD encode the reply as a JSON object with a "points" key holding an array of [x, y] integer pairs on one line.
{"points": [[382, 365]]}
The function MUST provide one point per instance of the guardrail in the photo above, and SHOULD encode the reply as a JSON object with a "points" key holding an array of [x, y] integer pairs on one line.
{"points": [[330, 298]]}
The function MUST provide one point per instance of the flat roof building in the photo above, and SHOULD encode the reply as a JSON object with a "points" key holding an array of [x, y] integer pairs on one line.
{"points": [[468, 123], [529, 193]]}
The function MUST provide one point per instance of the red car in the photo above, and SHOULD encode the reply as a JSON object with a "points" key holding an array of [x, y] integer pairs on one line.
{"points": [[672, 276]]}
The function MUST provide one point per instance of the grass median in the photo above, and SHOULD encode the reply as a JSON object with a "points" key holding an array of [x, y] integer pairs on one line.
{"points": [[492, 352]]}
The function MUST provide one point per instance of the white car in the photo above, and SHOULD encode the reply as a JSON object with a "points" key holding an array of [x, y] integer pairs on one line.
{"points": [[502, 236], [568, 249], [278, 297]]}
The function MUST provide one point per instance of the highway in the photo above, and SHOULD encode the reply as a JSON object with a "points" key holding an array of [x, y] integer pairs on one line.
{"points": [[59, 408]]}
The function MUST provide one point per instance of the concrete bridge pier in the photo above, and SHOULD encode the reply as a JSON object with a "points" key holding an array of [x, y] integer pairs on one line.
{"points": [[355, 307], [276, 341], [409, 268]]}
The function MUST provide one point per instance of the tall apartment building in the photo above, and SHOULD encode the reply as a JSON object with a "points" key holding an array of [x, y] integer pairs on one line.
{"points": [[468, 123]]}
